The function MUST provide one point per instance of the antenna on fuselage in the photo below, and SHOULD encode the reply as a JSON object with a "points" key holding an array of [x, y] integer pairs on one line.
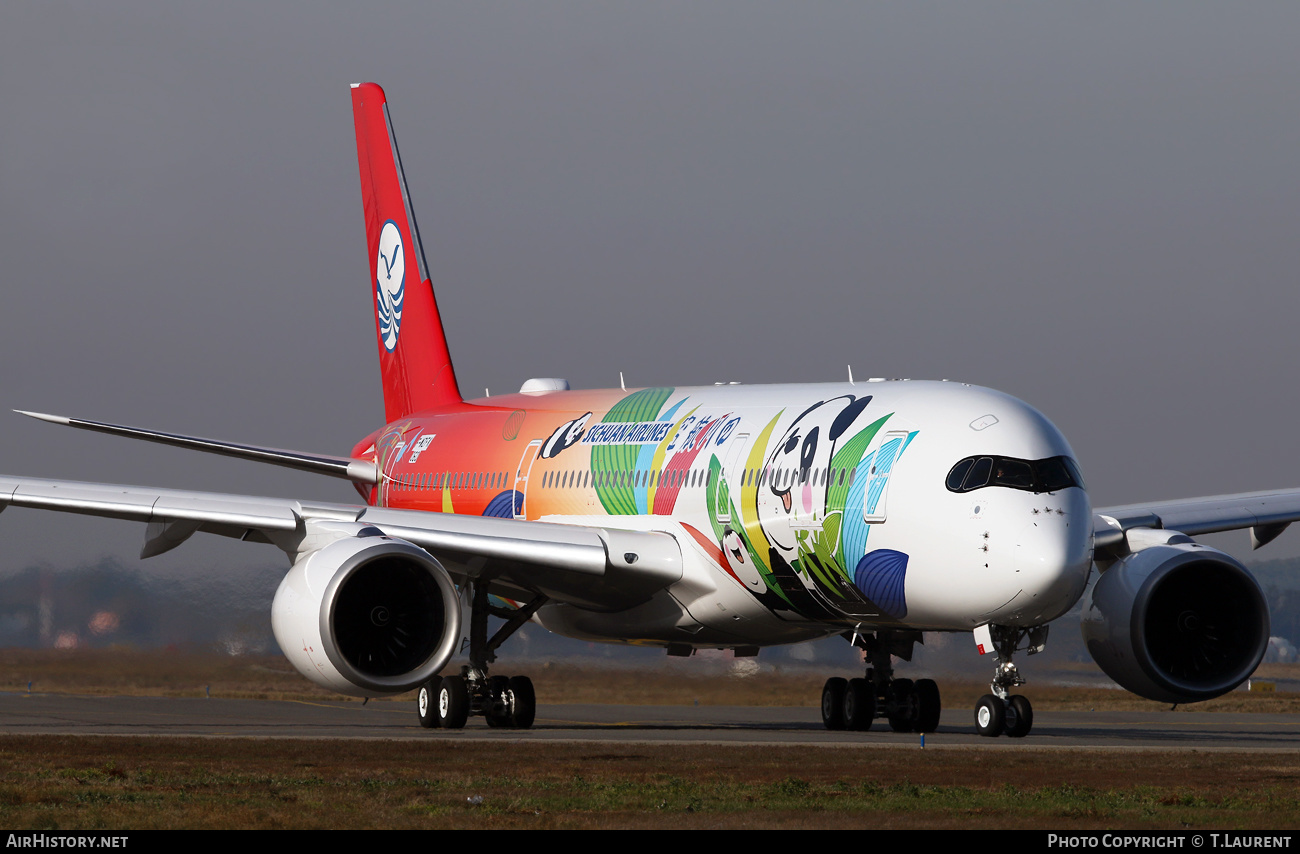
{"points": [[621, 384], [851, 375]]}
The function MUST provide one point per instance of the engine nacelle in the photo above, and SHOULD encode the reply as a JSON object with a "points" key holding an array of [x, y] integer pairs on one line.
{"points": [[1177, 623], [367, 616]]}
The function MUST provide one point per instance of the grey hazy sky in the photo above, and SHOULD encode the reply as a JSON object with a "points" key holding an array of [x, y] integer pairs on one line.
{"points": [[1092, 206]]}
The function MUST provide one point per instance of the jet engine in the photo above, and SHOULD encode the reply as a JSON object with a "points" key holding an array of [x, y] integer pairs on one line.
{"points": [[1177, 623], [367, 615]]}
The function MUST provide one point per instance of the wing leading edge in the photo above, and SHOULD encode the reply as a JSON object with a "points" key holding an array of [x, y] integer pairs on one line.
{"points": [[1266, 514]]}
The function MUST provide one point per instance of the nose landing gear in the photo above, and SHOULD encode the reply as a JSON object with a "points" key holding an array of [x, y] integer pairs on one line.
{"points": [[1013, 717], [1001, 712]]}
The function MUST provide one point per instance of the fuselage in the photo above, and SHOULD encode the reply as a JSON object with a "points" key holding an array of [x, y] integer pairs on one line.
{"points": [[801, 510]]}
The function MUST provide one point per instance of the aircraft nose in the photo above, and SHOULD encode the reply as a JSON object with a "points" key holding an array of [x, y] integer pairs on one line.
{"points": [[1052, 561]]}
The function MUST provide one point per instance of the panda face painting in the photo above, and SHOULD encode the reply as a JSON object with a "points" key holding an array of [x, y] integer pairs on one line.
{"points": [[794, 493], [738, 561]]}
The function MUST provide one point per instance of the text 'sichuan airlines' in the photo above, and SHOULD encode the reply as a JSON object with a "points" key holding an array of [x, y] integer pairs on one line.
{"points": [[722, 517]]}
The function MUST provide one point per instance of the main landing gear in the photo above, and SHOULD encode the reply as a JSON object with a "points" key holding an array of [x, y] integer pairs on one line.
{"points": [[505, 701], [853, 704], [1001, 712]]}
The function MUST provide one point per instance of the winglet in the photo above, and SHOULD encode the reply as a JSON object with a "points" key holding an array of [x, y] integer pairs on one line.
{"points": [[53, 419]]}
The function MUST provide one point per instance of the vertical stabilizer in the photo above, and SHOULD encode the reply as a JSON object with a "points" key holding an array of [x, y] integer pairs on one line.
{"points": [[413, 355]]}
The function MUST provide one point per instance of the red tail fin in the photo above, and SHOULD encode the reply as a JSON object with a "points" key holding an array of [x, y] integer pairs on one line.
{"points": [[413, 355]]}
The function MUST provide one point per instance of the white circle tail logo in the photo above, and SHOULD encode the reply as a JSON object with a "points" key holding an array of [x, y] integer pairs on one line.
{"points": [[390, 283]]}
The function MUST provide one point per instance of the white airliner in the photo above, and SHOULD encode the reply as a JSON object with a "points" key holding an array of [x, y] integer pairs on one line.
{"points": [[723, 517]]}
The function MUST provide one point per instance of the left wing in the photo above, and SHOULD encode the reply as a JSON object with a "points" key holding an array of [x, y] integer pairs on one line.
{"points": [[357, 471], [1266, 514], [604, 569]]}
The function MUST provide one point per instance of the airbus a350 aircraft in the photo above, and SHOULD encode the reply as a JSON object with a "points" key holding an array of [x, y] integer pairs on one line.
{"points": [[729, 517]]}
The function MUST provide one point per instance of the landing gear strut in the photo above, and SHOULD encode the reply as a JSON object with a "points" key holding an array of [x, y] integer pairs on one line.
{"points": [[1001, 712], [854, 703], [505, 701]]}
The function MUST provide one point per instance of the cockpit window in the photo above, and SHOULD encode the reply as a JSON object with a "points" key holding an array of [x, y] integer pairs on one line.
{"points": [[958, 474], [1058, 473], [1017, 474], [978, 475], [1050, 475]]}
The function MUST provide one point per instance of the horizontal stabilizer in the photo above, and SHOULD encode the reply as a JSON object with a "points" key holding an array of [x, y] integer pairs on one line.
{"points": [[358, 471]]}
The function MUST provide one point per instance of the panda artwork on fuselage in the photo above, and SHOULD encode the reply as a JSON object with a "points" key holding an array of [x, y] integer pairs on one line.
{"points": [[820, 487]]}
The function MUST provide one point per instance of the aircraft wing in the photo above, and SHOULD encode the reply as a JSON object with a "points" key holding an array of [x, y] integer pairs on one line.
{"points": [[591, 567], [1266, 514], [358, 471]]}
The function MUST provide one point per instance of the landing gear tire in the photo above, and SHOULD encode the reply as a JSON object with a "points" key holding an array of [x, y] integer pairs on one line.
{"points": [[928, 705], [901, 694], [453, 703], [500, 703], [833, 702], [859, 705], [1020, 717], [426, 704], [524, 710], [990, 715]]}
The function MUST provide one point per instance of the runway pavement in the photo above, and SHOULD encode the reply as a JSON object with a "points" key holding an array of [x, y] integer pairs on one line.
{"points": [[67, 714]]}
